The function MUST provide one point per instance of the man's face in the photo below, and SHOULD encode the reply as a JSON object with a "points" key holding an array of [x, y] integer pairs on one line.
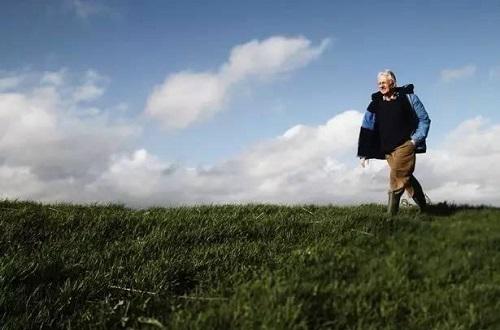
{"points": [[385, 85]]}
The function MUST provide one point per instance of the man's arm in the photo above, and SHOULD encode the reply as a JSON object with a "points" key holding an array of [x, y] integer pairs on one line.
{"points": [[424, 121], [369, 140]]}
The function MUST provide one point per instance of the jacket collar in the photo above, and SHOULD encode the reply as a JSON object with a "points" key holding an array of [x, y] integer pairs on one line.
{"points": [[406, 89]]}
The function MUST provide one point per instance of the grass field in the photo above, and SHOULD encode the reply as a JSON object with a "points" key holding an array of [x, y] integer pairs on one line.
{"points": [[248, 267]]}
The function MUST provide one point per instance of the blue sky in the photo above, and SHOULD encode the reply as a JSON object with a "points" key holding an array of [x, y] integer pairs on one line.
{"points": [[450, 50]]}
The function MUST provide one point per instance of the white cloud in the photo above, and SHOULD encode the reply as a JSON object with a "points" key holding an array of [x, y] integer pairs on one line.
{"points": [[92, 88], [494, 73], [18, 181], [311, 164], [463, 169], [10, 82], [269, 57], [55, 78], [145, 169], [187, 97], [49, 152], [304, 164], [449, 75], [44, 139], [87, 8], [480, 138]]}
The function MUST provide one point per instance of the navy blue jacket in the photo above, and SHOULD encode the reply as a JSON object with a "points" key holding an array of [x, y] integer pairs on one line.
{"points": [[369, 137]]}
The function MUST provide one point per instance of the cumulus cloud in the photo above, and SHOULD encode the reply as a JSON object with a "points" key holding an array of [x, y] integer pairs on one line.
{"points": [[269, 57], [463, 169], [87, 8], [44, 139], [10, 82], [187, 97], [314, 164], [18, 181], [494, 73], [302, 165], [55, 78], [50, 152], [311, 164], [146, 170], [93, 87], [449, 75]]}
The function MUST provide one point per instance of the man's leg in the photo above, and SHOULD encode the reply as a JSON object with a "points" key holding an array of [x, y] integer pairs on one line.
{"points": [[393, 201], [418, 193], [402, 163]]}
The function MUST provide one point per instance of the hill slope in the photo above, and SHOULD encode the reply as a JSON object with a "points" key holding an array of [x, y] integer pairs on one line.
{"points": [[249, 266]]}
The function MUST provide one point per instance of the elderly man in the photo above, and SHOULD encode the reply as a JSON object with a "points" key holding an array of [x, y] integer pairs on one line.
{"points": [[395, 126]]}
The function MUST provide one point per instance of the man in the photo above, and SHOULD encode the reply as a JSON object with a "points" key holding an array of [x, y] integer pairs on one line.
{"points": [[395, 126]]}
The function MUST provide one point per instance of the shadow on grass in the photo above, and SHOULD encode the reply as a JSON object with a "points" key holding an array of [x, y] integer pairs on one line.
{"points": [[445, 209]]}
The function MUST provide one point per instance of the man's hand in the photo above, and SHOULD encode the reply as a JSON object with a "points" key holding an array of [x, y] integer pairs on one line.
{"points": [[364, 162]]}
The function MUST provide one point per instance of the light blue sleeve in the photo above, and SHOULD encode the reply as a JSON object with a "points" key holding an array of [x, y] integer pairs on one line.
{"points": [[368, 120], [424, 122]]}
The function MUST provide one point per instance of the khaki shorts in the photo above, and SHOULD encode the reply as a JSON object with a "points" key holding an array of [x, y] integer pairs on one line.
{"points": [[402, 164]]}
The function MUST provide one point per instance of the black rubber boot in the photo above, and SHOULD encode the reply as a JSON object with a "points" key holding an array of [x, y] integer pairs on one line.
{"points": [[418, 194], [394, 198]]}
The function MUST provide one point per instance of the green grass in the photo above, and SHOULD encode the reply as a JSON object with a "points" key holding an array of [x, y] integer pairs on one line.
{"points": [[248, 266]]}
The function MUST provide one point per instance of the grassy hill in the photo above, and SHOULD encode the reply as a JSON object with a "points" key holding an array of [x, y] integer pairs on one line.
{"points": [[248, 266]]}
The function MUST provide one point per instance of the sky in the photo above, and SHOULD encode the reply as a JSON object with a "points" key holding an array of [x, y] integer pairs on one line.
{"points": [[158, 103]]}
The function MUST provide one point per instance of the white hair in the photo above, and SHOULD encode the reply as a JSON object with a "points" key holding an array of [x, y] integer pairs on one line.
{"points": [[387, 74]]}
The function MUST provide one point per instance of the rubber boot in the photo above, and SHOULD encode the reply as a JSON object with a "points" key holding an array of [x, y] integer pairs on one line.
{"points": [[394, 198], [418, 194]]}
